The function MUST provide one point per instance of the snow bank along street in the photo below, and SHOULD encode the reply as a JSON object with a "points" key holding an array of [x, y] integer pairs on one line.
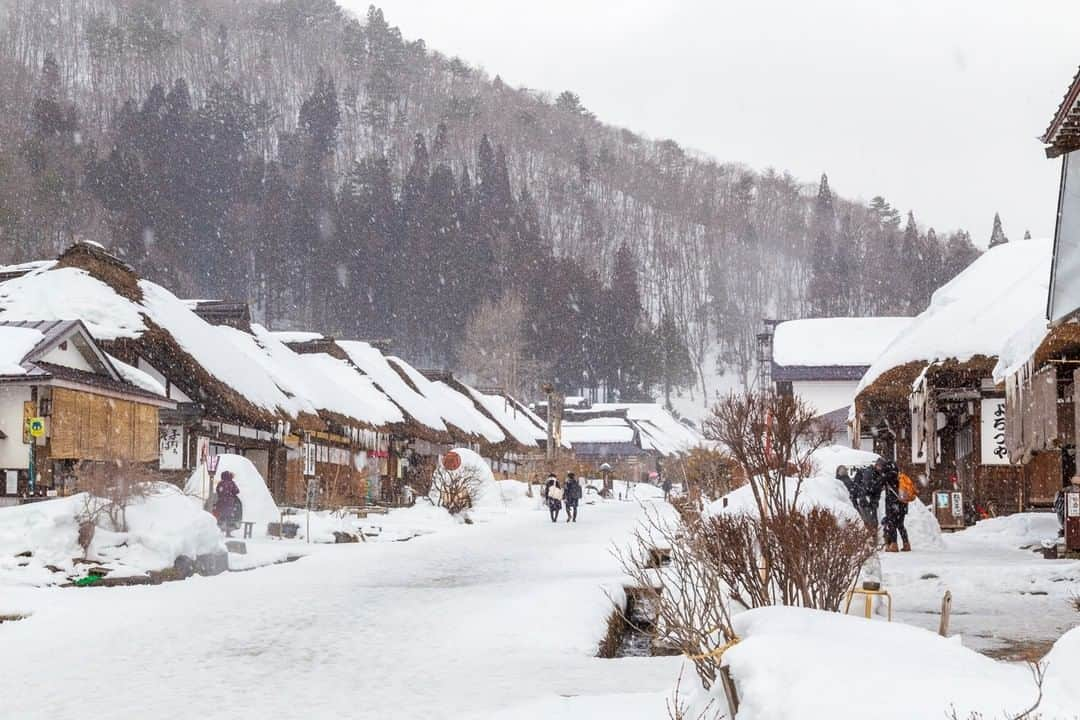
{"points": [[467, 621]]}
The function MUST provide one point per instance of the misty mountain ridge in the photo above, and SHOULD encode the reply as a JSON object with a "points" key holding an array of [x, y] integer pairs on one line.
{"points": [[343, 179]]}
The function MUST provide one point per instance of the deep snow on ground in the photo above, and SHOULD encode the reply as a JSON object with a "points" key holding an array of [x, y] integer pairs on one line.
{"points": [[160, 526], [501, 619], [498, 617]]}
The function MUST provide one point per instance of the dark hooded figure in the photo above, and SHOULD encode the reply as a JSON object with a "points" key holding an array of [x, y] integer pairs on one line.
{"points": [[553, 494], [861, 490], [572, 496], [895, 508], [227, 508]]}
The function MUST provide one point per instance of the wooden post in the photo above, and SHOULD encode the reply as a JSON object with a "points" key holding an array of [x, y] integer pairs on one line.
{"points": [[730, 692], [946, 611]]}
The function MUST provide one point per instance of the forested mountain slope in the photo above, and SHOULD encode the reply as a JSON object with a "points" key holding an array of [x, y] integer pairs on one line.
{"points": [[345, 179]]}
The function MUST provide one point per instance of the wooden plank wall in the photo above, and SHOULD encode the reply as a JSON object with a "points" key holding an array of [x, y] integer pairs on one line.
{"points": [[93, 427]]}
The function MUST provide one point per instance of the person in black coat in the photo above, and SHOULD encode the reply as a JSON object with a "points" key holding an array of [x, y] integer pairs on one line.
{"points": [[227, 507], [571, 496], [554, 504], [895, 508], [861, 491]]}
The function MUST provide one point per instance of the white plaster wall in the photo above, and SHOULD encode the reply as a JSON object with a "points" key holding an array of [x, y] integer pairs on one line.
{"points": [[826, 395], [14, 454], [69, 357]]}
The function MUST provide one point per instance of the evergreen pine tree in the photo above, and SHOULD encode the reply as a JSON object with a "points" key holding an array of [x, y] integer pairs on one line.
{"points": [[997, 235]]}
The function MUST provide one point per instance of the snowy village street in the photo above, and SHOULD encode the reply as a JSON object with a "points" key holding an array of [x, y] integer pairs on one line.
{"points": [[469, 621]]}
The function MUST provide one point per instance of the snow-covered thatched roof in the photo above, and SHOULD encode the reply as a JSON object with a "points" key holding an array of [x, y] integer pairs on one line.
{"points": [[971, 316]]}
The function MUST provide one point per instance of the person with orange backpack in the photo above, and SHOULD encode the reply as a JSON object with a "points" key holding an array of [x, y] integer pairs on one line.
{"points": [[899, 491]]}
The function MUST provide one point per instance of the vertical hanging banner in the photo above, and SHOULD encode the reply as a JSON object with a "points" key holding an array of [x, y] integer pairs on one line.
{"points": [[171, 447], [992, 432], [310, 451]]}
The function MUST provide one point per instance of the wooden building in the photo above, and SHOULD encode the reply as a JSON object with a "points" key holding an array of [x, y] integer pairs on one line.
{"points": [[1040, 365], [930, 401], [63, 401], [224, 402], [822, 360]]}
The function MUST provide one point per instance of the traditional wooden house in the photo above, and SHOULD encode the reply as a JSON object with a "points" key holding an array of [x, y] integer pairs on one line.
{"points": [[356, 415], [636, 439], [822, 360], [224, 401], [1040, 364], [930, 402], [63, 400]]}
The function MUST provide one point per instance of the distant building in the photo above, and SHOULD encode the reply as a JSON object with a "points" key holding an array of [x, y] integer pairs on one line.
{"points": [[821, 360]]}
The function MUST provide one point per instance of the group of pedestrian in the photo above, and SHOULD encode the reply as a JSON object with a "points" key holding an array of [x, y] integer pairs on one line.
{"points": [[865, 488], [568, 493]]}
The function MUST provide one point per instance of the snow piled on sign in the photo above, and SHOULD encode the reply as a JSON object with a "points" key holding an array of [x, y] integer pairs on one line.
{"points": [[997, 296], [819, 342], [259, 505], [15, 344]]}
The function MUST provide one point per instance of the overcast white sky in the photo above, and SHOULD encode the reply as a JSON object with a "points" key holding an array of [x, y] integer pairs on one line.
{"points": [[935, 104]]}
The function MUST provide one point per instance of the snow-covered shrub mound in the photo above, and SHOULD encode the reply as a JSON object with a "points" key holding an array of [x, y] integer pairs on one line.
{"points": [[1062, 686], [827, 459], [473, 477], [167, 524], [161, 526], [796, 663], [827, 492], [259, 505], [818, 491], [1012, 531]]}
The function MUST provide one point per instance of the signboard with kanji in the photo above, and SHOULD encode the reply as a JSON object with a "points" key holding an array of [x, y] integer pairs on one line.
{"points": [[992, 430], [171, 447]]}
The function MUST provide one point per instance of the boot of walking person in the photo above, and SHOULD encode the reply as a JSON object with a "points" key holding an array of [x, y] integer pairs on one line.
{"points": [[891, 547], [906, 547]]}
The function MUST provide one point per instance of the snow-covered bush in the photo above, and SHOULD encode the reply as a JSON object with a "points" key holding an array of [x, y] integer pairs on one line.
{"points": [[258, 504], [460, 488]]}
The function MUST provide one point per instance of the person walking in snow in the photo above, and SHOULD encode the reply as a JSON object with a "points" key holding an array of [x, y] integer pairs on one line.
{"points": [[227, 507], [667, 488], [572, 496], [895, 509], [860, 490], [553, 494]]}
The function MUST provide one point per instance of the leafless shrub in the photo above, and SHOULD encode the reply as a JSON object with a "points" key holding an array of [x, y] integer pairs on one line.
{"points": [[692, 602], [710, 474], [809, 559], [678, 709], [111, 487], [455, 490], [772, 438], [778, 555], [1038, 675]]}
